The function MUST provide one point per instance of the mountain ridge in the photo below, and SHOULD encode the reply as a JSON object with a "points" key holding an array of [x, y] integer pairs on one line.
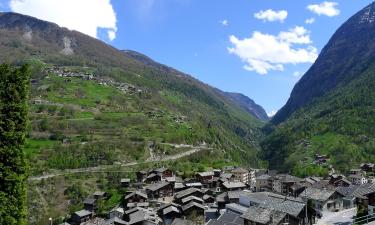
{"points": [[337, 119], [335, 65]]}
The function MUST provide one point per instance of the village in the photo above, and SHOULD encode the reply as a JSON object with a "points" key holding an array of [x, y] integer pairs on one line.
{"points": [[232, 196]]}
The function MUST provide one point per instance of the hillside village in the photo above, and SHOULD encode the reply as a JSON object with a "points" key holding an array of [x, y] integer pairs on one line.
{"points": [[233, 196]]}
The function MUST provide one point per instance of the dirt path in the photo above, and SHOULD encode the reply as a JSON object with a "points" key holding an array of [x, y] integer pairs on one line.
{"points": [[106, 167]]}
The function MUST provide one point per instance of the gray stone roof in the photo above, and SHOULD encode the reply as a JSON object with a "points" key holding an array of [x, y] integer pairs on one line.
{"points": [[234, 194], [83, 213], [289, 205], [317, 194], [227, 218], [263, 215], [239, 170], [187, 192], [263, 177], [143, 195], [170, 209], [236, 208], [115, 221], [89, 201], [192, 204], [179, 221], [206, 174], [287, 178], [234, 185], [125, 180], [226, 175], [157, 186], [99, 193], [191, 198]]}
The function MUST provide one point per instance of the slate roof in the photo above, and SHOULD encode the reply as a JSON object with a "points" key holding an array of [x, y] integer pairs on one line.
{"points": [[152, 175], [191, 198], [89, 201], [160, 170], [233, 185], [287, 178], [157, 186], [192, 204], [195, 184], [358, 191], [83, 213], [141, 214], [118, 209], [184, 193], [125, 180], [222, 197], [239, 170], [136, 193], [179, 185], [99, 193], [263, 177], [170, 209], [206, 174], [289, 205], [115, 221], [284, 204], [206, 197], [235, 194], [355, 176], [226, 175], [263, 215], [236, 208], [179, 221], [317, 194], [227, 218]]}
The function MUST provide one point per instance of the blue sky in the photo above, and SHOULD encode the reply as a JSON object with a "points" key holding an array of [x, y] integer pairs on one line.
{"points": [[190, 35]]}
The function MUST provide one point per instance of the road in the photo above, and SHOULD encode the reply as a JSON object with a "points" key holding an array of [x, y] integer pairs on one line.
{"points": [[338, 218], [108, 167]]}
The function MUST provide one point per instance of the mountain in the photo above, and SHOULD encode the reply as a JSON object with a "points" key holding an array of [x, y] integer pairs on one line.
{"points": [[331, 110], [248, 104], [349, 52], [106, 105]]}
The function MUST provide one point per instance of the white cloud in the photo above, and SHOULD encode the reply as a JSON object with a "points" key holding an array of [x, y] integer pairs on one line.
{"points": [[272, 113], [85, 16], [264, 52], [297, 74], [310, 20], [271, 16], [111, 35], [325, 8], [224, 22]]}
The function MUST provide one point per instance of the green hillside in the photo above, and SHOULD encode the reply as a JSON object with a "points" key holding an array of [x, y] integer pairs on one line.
{"points": [[340, 125], [92, 104], [331, 109]]}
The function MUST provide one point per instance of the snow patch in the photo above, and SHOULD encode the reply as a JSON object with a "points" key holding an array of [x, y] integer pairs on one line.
{"points": [[67, 47]]}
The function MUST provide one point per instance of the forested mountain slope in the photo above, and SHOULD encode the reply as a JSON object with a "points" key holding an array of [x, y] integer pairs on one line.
{"points": [[331, 110], [350, 52]]}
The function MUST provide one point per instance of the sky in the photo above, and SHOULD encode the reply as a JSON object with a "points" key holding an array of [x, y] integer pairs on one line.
{"points": [[260, 48]]}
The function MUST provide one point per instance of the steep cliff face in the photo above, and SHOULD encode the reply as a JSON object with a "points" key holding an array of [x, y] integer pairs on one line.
{"points": [[249, 105]]}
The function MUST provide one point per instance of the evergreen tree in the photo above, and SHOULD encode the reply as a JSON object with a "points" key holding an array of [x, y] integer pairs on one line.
{"points": [[13, 122]]}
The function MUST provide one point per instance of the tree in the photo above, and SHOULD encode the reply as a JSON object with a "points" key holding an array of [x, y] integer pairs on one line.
{"points": [[14, 88]]}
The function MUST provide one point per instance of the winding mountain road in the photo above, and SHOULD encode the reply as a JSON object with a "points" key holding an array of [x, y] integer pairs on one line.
{"points": [[101, 168]]}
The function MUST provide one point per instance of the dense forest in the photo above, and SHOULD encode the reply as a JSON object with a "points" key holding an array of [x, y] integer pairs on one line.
{"points": [[14, 87]]}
